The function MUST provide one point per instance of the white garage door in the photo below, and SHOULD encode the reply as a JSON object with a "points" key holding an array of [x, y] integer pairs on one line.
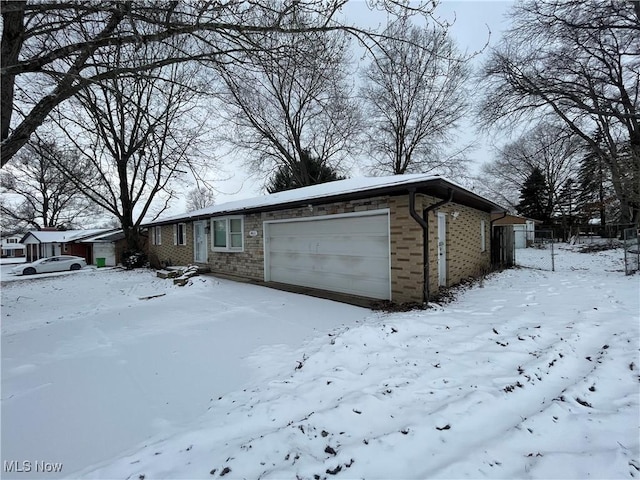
{"points": [[106, 251], [347, 254]]}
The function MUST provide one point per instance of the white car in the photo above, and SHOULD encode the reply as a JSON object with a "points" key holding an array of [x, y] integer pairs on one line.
{"points": [[58, 263]]}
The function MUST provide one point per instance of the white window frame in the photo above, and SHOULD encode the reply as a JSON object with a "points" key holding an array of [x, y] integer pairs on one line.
{"points": [[228, 233], [483, 236], [176, 233], [156, 235]]}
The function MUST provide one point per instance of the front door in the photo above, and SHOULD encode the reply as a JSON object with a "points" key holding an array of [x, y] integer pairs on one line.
{"points": [[199, 242], [442, 249]]}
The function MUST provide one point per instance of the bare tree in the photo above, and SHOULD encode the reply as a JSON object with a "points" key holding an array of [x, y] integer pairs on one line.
{"points": [[139, 135], [552, 149], [415, 96], [36, 194], [578, 62], [291, 105], [199, 198], [48, 48]]}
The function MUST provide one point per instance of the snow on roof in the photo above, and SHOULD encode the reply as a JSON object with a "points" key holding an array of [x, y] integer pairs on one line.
{"points": [[105, 236], [63, 236], [12, 246], [339, 187]]}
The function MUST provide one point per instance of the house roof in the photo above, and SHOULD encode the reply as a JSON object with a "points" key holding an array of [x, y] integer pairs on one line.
{"points": [[12, 246], [108, 236], [64, 236], [349, 189], [511, 219]]}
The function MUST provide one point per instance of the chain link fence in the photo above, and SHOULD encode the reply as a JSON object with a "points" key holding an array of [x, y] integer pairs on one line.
{"points": [[542, 253], [631, 243], [580, 234]]}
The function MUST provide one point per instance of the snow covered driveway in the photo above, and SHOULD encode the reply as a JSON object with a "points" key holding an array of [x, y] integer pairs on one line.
{"points": [[533, 376], [90, 368]]}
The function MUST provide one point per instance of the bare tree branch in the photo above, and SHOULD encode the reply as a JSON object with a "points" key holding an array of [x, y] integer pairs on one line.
{"points": [[48, 47], [294, 104], [36, 194], [578, 62], [138, 134], [414, 96]]}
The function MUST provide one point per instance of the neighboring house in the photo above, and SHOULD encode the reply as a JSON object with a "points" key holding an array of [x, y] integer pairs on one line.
{"points": [[523, 228], [11, 247], [82, 243], [363, 237], [106, 247]]}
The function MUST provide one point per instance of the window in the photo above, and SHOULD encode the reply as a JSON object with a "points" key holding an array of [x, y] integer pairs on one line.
{"points": [[227, 234], [483, 238], [180, 234], [156, 235], [12, 240]]}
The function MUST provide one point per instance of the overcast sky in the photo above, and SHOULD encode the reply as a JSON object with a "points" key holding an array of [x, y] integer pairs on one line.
{"points": [[476, 23]]}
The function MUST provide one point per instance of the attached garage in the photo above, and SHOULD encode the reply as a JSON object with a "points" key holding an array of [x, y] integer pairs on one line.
{"points": [[397, 238], [340, 253]]}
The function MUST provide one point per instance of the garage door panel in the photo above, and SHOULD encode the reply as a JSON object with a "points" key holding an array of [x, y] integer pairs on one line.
{"points": [[328, 226], [339, 245], [362, 286], [324, 264], [347, 254]]}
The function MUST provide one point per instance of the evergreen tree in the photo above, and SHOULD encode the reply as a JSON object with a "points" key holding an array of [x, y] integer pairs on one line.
{"points": [[595, 189], [307, 171], [534, 197], [597, 194]]}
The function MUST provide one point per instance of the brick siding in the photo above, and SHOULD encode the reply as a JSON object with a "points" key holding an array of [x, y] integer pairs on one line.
{"points": [[168, 253], [464, 256]]}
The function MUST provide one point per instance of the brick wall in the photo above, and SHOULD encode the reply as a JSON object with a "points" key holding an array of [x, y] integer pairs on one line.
{"points": [[168, 252], [407, 266], [250, 263], [464, 256]]}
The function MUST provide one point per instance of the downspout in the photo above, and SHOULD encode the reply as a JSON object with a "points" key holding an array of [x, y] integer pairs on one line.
{"points": [[504, 214], [423, 222]]}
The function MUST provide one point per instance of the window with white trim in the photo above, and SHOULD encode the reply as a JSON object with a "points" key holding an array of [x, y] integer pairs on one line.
{"points": [[228, 234], [180, 234], [483, 237], [156, 235]]}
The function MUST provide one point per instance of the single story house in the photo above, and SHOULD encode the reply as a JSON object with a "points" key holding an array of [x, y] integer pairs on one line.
{"points": [[82, 243], [106, 247], [11, 247], [524, 229], [394, 238]]}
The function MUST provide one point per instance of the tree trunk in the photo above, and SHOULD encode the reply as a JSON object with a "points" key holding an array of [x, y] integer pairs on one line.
{"points": [[12, 38]]}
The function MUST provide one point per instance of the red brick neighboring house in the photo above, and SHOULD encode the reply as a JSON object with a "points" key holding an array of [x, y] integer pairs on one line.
{"points": [[394, 238]]}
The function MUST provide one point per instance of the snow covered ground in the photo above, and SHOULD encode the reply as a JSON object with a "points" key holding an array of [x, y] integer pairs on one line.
{"points": [[92, 367], [13, 261], [534, 375]]}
